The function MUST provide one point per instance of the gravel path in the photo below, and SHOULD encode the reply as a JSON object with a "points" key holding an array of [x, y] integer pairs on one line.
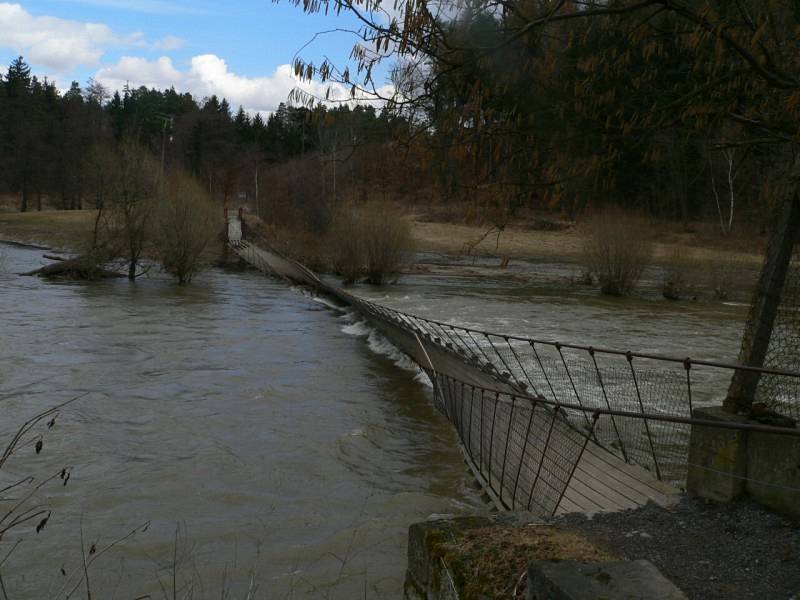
{"points": [[729, 551]]}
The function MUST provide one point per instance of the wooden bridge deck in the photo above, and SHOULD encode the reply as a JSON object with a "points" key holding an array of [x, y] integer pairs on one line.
{"points": [[600, 481]]}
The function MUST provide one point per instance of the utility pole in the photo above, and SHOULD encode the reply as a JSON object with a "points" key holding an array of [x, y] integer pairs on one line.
{"points": [[166, 121]]}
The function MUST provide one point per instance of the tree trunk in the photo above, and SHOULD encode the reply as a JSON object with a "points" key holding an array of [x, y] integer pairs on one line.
{"points": [[39, 201], [24, 205], [132, 270], [766, 301]]}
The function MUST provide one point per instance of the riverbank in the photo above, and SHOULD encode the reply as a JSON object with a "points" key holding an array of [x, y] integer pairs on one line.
{"points": [[710, 267], [69, 229], [709, 551]]}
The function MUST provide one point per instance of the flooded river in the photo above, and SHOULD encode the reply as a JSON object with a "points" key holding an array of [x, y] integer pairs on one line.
{"points": [[274, 435], [236, 407]]}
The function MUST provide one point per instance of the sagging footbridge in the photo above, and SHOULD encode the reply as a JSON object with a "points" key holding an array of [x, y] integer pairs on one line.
{"points": [[545, 427]]}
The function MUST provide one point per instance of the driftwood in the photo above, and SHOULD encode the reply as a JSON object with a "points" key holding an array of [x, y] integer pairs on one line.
{"points": [[81, 267]]}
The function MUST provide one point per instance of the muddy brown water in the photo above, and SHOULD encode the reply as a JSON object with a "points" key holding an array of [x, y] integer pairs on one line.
{"points": [[279, 436]]}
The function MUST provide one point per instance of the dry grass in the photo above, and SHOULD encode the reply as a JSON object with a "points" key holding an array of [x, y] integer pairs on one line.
{"points": [[492, 561], [516, 242]]}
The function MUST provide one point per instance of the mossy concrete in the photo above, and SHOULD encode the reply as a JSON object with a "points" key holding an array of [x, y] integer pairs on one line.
{"points": [[431, 574], [725, 464], [717, 457], [773, 472]]}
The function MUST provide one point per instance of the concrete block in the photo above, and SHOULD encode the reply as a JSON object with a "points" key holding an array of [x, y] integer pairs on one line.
{"points": [[426, 577], [717, 457], [773, 470], [617, 580]]}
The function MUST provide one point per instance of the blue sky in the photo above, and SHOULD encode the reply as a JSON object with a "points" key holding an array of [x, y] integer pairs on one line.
{"points": [[241, 50]]}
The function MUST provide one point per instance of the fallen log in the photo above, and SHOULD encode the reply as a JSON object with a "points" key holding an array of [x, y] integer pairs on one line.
{"points": [[24, 245], [73, 268]]}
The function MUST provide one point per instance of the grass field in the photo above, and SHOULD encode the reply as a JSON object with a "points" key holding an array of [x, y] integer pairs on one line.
{"points": [[58, 229]]}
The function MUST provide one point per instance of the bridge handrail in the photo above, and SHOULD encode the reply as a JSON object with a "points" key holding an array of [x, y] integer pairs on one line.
{"points": [[663, 417], [687, 361]]}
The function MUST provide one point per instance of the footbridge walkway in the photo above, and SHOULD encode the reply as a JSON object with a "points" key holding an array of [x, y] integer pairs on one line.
{"points": [[546, 427]]}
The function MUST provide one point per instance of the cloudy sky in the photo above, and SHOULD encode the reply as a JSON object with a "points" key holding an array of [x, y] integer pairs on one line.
{"points": [[240, 49]]}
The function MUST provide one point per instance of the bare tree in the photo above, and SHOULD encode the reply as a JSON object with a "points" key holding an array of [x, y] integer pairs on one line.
{"points": [[131, 188]]}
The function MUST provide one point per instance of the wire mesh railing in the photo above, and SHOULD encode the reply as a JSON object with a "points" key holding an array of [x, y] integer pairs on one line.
{"points": [[778, 393], [531, 456], [589, 379]]}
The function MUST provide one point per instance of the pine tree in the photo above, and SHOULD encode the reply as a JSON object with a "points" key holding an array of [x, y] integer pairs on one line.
{"points": [[241, 120], [18, 78]]}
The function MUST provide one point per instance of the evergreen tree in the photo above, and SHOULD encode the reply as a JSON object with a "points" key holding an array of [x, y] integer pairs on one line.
{"points": [[18, 78]]}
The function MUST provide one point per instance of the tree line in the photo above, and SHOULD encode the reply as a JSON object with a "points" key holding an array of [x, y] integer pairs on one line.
{"points": [[50, 140]]}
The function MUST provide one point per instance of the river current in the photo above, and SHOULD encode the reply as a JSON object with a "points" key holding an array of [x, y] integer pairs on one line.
{"points": [[262, 436]]}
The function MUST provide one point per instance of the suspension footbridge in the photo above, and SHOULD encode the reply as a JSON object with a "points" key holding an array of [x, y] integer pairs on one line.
{"points": [[546, 427]]}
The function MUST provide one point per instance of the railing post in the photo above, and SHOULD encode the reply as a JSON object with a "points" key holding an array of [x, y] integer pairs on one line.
{"points": [[589, 434]]}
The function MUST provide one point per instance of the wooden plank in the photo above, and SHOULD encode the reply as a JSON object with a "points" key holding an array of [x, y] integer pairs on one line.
{"points": [[568, 506], [631, 476], [593, 485]]}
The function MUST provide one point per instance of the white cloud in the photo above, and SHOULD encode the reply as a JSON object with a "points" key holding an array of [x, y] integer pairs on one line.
{"points": [[59, 46], [171, 42], [208, 75], [147, 6], [62, 45], [51, 42]]}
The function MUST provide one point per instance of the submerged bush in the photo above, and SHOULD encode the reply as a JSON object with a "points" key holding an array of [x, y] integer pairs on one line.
{"points": [[675, 283], [368, 242], [617, 250], [186, 223]]}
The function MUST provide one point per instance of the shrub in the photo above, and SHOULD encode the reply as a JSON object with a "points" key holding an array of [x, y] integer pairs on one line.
{"points": [[187, 221], [617, 250], [368, 242], [675, 283]]}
